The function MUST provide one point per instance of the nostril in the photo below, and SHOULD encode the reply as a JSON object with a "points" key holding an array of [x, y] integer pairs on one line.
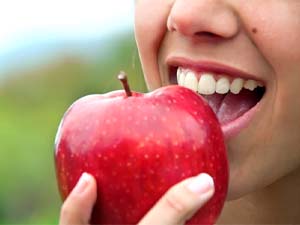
{"points": [[206, 34]]}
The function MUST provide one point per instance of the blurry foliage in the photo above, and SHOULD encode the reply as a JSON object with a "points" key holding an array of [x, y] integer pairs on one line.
{"points": [[32, 102]]}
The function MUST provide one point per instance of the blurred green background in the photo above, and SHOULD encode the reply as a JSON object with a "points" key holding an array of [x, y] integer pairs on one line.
{"points": [[33, 99]]}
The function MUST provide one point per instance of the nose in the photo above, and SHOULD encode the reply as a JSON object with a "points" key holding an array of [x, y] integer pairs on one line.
{"points": [[203, 18]]}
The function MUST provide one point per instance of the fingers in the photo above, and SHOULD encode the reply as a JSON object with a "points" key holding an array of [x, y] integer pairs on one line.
{"points": [[181, 201], [77, 208]]}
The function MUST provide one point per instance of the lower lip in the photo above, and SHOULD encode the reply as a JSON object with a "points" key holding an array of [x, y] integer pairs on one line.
{"points": [[233, 128]]}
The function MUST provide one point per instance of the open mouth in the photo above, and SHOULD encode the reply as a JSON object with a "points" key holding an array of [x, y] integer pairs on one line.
{"points": [[232, 98]]}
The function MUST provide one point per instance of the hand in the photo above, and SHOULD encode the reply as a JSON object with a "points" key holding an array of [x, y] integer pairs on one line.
{"points": [[176, 207]]}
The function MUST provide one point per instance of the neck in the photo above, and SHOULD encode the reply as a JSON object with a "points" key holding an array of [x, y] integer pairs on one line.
{"points": [[278, 203]]}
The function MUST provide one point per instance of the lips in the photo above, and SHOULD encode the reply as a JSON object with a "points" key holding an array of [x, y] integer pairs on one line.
{"points": [[233, 95]]}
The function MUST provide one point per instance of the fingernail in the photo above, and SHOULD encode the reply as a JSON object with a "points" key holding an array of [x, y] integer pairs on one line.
{"points": [[82, 183], [201, 184]]}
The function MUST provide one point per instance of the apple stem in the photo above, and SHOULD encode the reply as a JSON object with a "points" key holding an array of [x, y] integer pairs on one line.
{"points": [[123, 78]]}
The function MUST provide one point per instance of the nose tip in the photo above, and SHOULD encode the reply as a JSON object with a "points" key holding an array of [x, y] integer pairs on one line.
{"points": [[208, 18]]}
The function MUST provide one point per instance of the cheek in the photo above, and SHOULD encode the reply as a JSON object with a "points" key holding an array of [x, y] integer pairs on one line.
{"points": [[277, 31], [275, 152], [279, 42], [150, 27], [277, 38]]}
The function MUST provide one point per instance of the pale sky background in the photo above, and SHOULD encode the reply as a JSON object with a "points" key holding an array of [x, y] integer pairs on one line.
{"points": [[26, 22]]}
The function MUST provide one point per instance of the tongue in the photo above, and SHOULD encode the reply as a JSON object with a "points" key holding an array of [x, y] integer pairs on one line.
{"points": [[231, 106]]}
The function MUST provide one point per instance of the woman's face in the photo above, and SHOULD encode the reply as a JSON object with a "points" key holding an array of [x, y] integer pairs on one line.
{"points": [[239, 40]]}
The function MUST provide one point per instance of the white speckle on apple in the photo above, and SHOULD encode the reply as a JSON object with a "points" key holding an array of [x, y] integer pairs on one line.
{"points": [[146, 118], [129, 164], [107, 121], [99, 156], [195, 102], [158, 142], [164, 119], [168, 109], [183, 175], [157, 156], [176, 156], [105, 158], [194, 148], [201, 121], [187, 156], [115, 146], [104, 133], [146, 156], [175, 143], [195, 113], [174, 100], [65, 188], [141, 145]]}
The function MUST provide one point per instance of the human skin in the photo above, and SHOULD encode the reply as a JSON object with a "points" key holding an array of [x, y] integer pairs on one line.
{"points": [[261, 38]]}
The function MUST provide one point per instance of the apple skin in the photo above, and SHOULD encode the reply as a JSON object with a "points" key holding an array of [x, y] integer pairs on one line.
{"points": [[138, 147]]}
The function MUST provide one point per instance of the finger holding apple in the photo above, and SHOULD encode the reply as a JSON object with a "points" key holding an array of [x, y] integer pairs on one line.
{"points": [[137, 146], [78, 206], [176, 207], [181, 201]]}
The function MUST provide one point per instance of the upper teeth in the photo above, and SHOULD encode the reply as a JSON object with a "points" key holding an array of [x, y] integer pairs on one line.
{"points": [[208, 83]]}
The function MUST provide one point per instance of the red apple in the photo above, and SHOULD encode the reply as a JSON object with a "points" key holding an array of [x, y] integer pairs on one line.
{"points": [[139, 145]]}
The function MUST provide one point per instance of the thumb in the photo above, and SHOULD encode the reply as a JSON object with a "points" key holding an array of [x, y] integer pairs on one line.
{"points": [[181, 201], [78, 206]]}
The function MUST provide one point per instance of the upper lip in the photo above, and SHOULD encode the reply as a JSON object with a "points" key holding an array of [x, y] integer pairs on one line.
{"points": [[210, 66]]}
